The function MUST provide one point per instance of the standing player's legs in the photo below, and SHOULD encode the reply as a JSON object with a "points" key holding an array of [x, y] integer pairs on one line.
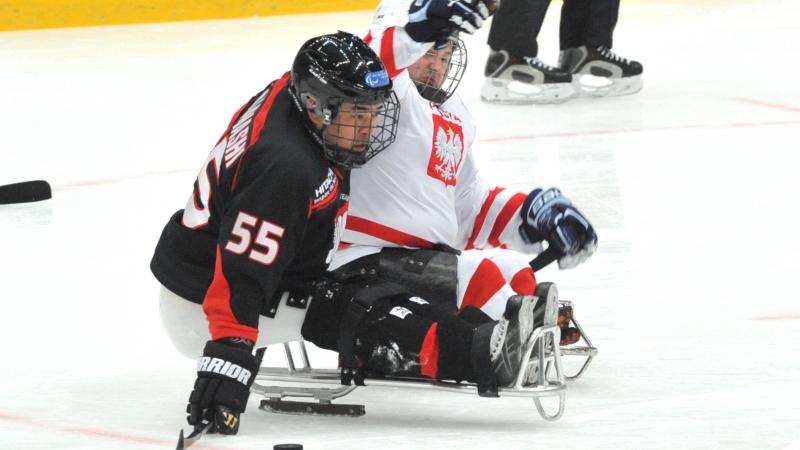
{"points": [[516, 25], [513, 72], [586, 35], [588, 22]]}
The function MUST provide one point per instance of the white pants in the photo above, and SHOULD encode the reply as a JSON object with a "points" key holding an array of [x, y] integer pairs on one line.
{"points": [[186, 325]]}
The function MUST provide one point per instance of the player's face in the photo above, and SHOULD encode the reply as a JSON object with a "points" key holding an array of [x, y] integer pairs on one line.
{"points": [[352, 127], [432, 68]]}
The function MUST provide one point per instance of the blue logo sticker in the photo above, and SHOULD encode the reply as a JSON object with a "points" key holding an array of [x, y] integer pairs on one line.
{"points": [[377, 79]]}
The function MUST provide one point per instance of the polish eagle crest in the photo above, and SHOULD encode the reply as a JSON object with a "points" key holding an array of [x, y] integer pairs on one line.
{"points": [[448, 149]]}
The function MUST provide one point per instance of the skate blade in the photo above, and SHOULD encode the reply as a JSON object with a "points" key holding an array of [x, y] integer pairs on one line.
{"points": [[505, 92], [593, 86], [312, 408]]}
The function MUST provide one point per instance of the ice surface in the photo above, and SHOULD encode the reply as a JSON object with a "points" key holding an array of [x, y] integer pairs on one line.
{"points": [[693, 297]]}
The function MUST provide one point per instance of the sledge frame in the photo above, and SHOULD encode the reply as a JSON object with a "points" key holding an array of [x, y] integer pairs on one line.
{"points": [[550, 380], [587, 350]]}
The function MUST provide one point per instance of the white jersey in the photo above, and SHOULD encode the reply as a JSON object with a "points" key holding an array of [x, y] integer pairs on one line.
{"points": [[424, 189]]}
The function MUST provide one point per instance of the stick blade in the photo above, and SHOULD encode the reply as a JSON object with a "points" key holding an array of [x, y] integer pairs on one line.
{"points": [[27, 191], [196, 434], [180, 441]]}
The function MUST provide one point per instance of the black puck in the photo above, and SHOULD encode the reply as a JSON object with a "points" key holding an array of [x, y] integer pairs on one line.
{"points": [[28, 191], [287, 447]]}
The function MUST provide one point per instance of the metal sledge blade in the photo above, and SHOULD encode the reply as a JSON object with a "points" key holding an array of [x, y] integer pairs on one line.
{"points": [[196, 434], [324, 409]]}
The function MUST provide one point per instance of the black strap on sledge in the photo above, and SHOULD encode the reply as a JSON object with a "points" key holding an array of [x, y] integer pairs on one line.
{"points": [[362, 303]]}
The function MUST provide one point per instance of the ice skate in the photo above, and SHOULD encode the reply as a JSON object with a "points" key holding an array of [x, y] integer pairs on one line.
{"points": [[523, 80], [599, 72], [498, 348], [545, 314]]}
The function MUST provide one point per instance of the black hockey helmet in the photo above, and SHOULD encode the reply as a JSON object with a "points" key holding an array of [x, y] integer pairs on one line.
{"points": [[340, 79], [437, 80]]}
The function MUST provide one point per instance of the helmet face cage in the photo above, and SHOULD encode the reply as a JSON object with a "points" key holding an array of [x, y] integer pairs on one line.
{"points": [[346, 97], [355, 130], [431, 83]]}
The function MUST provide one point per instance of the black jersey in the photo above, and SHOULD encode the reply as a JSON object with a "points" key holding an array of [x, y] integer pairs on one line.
{"points": [[265, 213]]}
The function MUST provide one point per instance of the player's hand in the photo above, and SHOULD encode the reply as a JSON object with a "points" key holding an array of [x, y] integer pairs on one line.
{"points": [[225, 373], [434, 20], [548, 215]]}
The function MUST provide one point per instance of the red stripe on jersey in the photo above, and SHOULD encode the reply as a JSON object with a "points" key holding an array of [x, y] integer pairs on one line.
{"points": [[387, 52], [217, 306], [481, 217], [343, 209], [260, 119], [233, 121], [504, 217], [429, 353], [485, 282], [524, 282], [388, 234], [368, 38]]}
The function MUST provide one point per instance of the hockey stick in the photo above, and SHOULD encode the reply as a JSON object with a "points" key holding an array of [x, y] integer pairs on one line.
{"points": [[205, 425], [27, 191], [543, 259], [196, 434]]}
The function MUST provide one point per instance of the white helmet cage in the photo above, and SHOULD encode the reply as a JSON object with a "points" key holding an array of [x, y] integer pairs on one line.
{"points": [[438, 87]]}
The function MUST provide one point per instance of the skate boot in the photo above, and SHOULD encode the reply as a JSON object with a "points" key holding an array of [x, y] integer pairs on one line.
{"points": [[545, 314], [599, 72], [523, 80], [499, 347]]}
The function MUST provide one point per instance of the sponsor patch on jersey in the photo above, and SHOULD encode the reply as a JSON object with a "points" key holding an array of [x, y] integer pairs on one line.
{"points": [[377, 79], [326, 192], [447, 150]]}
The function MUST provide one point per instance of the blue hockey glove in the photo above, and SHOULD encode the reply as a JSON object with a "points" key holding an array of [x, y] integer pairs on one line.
{"points": [[225, 373], [548, 215], [434, 20]]}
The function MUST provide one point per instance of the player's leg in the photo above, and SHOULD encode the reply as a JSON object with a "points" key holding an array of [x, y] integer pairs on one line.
{"points": [[397, 334], [516, 25], [487, 278], [480, 285], [514, 74]]}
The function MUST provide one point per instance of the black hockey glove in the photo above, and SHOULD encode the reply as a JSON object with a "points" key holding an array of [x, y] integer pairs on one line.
{"points": [[434, 20], [548, 215], [224, 376]]}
